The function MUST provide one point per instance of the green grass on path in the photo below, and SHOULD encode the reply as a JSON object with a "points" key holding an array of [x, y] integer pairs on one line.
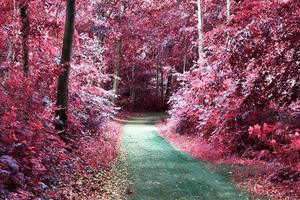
{"points": [[157, 170]]}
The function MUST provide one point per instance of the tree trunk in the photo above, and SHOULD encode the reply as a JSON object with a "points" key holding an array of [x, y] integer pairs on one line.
{"points": [[228, 10], [63, 79], [184, 55], [118, 53], [10, 53], [25, 36], [157, 84], [200, 29], [117, 66], [168, 89], [132, 88], [162, 85]]}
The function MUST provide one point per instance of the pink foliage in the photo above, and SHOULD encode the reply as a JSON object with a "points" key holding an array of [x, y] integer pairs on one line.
{"points": [[243, 95], [246, 88], [194, 145], [27, 101]]}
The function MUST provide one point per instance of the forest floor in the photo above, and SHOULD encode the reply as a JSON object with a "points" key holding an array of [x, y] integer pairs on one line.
{"points": [[158, 170]]}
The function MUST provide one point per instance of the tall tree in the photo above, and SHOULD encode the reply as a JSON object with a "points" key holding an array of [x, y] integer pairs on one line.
{"points": [[62, 86], [228, 10], [200, 28], [161, 85], [157, 84], [168, 87], [118, 53], [185, 54], [25, 35]]}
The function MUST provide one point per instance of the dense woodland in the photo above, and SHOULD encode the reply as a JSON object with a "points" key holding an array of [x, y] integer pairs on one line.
{"points": [[225, 71]]}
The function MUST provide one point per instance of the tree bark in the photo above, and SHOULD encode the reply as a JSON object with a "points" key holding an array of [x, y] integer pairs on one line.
{"points": [[25, 36], [63, 79], [157, 84], [228, 14], [118, 53], [168, 89], [200, 29], [132, 88], [117, 66], [10, 53], [185, 55], [162, 85]]}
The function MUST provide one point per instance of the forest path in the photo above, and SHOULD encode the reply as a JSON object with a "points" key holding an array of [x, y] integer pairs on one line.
{"points": [[157, 170]]}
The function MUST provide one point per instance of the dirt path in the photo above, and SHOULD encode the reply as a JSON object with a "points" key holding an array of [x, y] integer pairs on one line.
{"points": [[157, 170]]}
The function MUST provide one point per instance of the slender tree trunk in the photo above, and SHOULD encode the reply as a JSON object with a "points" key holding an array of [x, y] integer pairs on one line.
{"points": [[132, 96], [157, 84], [25, 36], [168, 89], [118, 53], [117, 66], [185, 55], [63, 79], [200, 29], [25, 28], [228, 14], [10, 53], [132, 88], [162, 85]]}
